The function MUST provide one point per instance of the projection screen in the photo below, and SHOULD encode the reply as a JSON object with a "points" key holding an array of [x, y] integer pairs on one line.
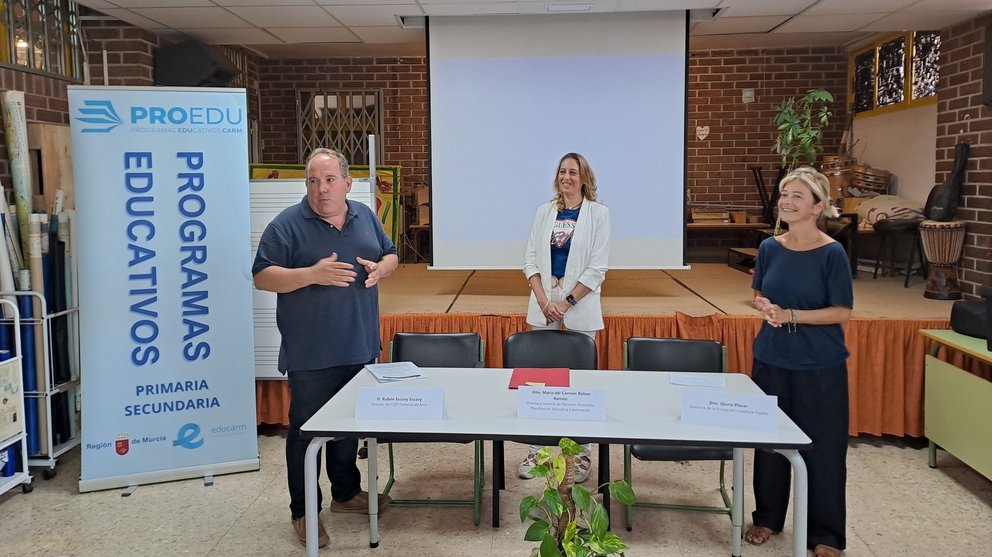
{"points": [[509, 95]]}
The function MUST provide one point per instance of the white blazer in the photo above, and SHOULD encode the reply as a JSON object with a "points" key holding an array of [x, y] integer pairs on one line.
{"points": [[587, 262]]}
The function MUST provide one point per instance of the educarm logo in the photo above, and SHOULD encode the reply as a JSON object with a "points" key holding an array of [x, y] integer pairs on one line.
{"points": [[100, 114], [187, 436]]}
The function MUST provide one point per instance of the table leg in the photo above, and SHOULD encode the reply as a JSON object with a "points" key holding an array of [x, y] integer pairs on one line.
{"points": [[932, 453], [497, 479], [800, 496], [737, 504], [373, 464], [604, 478], [310, 479]]}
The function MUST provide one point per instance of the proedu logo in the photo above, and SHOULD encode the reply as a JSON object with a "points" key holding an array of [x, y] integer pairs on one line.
{"points": [[100, 114]]}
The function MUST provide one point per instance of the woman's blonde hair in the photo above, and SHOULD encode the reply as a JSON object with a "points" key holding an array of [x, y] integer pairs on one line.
{"points": [[586, 176], [818, 185]]}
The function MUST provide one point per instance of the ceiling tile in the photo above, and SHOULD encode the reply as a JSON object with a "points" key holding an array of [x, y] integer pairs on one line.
{"points": [[389, 35], [729, 25], [847, 7], [133, 18], [950, 5], [765, 7], [287, 16], [232, 36], [293, 35], [372, 16], [911, 22], [827, 23], [159, 3], [195, 18], [475, 8], [232, 3]]}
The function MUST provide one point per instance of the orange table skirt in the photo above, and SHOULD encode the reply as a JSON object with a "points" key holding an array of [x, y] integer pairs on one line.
{"points": [[885, 369]]}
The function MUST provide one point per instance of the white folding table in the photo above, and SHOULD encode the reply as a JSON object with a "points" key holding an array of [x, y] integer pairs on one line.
{"points": [[641, 407]]}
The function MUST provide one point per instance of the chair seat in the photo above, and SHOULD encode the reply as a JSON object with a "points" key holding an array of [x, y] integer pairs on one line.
{"points": [[672, 452]]}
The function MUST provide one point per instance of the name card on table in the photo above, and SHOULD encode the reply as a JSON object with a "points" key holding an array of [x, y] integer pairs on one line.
{"points": [[723, 409], [399, 404], [552, 403]]}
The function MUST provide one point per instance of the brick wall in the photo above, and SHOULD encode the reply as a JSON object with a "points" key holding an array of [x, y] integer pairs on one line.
{"points": [[45, 100], [130, 53], [742, 135], [403, 82], [961, 117]]}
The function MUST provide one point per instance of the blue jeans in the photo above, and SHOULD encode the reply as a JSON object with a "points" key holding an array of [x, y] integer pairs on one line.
{"points": [[309, 391]]}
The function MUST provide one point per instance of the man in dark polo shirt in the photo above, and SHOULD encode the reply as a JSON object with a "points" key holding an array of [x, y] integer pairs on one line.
{"points": [[324, 257]]}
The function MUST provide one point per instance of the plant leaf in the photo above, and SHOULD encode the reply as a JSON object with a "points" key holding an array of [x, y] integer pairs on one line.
{"points": [[610, 543], [549, 547], [527, 504], [582, 497], [598, 522], [558, 468], [543, 455], [537, 531], [622, 492], [553, 500], [570, 447]]}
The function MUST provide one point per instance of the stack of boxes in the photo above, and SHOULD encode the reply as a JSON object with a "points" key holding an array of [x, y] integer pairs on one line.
{"points": [[423, 206]]}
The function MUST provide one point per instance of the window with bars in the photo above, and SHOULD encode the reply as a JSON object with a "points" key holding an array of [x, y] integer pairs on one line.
{"points": [[340, 120], [896, 72], [42, 35]]}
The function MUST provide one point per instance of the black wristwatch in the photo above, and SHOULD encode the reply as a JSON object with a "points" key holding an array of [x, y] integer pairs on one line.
{"points": [[571, 299]]}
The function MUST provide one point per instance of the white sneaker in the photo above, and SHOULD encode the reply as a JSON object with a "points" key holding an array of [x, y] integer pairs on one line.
{"points": [[582, 465], [527, 465]]}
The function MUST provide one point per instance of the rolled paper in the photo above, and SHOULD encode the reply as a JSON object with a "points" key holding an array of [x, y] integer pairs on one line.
{"points": [[16, 130], [13, 239], [28, 367]]}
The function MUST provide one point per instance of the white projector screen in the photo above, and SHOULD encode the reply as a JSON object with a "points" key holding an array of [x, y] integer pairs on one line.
{"points": [[509, 95]]}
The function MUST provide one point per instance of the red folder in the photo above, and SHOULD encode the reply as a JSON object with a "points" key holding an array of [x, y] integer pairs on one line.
{"points": [[546, 376]]}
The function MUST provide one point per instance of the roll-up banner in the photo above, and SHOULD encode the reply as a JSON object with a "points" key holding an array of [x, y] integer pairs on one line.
{"points": [[164, 278]]}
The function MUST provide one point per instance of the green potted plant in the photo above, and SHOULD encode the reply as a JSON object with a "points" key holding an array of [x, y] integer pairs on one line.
{"points": [[800, 124], [567, 519]]}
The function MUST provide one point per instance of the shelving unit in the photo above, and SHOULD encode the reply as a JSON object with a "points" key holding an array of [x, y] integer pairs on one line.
{"points": [[12, 433], [50, 447]]}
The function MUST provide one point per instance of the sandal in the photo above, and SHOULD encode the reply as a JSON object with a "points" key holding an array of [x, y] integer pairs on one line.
{"points": [[757, 535], [826, 551]]}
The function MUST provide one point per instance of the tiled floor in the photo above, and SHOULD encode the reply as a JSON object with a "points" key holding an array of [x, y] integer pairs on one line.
{"points": [[896, 506]]}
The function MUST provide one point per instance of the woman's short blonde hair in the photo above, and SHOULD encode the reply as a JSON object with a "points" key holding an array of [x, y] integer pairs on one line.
{"points": [[586, 176], [818, 185]]}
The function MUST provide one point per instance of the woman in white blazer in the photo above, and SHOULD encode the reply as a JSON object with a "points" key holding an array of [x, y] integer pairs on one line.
{"points": [[565, 265]]}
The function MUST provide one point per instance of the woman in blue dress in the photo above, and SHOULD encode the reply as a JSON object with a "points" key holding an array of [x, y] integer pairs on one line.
{"points": [[802, 287]]}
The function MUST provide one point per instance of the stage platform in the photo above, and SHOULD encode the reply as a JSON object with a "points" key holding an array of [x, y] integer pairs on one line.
{"points": [[710, 301]]}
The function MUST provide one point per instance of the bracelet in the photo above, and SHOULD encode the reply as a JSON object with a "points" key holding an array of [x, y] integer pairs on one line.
{"points": [[571, 299], [791, 325]]}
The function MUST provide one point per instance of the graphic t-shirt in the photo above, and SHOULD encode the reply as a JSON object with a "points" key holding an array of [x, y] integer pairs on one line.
{"points": [[561, 240]]}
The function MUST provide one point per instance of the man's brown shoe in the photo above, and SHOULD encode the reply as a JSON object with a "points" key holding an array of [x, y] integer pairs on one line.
{"points": [[359, 504], [300, 527]]}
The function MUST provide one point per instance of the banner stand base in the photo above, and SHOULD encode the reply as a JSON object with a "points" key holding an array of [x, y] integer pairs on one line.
{"points": [[113, 482]]}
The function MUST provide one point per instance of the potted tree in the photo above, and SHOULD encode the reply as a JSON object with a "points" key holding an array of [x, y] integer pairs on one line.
{"points": [[800, 122], [567, 519]]}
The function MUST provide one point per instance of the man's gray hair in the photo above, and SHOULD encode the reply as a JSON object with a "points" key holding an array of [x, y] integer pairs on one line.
{"points": [[324, 151]]}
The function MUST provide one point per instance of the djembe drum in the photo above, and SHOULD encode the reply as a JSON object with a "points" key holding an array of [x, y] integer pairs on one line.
{"points": [[942, 245]]}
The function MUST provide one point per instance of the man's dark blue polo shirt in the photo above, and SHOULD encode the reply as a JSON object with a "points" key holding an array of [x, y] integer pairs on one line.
{"points": [[325, 326]]}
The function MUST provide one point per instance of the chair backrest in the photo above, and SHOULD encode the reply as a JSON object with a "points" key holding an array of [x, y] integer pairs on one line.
{"points": [[438, 349], [674, 354], [550, 348]]}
